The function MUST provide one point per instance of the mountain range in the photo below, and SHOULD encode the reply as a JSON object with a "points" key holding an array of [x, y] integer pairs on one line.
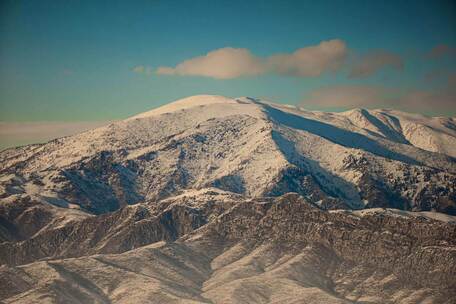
{"points": [[212, 199]]}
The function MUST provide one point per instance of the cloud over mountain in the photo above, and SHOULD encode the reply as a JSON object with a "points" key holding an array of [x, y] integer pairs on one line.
{"points": [[228, 63], [20, 133], [349, 96], [224, 63], [441, 50], [310, 61], [373, 62]]}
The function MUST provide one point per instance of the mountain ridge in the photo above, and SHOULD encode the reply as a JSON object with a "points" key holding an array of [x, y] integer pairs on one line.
{"points": [[221, 200], [242, 145], [213, 247]]}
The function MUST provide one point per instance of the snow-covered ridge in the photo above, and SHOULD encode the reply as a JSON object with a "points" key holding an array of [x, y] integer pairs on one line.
{"points": [[435, 134], [356, 159]]}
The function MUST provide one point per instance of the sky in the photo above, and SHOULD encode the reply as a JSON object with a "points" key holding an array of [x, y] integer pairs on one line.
{"points": [[91, 61]]}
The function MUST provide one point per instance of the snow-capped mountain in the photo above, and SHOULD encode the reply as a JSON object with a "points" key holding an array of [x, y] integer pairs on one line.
{"points": [[355, 159], [191, 203]]}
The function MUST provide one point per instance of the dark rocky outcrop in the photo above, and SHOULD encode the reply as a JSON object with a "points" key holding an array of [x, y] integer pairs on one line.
{"points": [[381, 255]]}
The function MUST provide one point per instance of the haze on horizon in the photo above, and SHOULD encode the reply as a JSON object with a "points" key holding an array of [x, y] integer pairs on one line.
{"points": [[68, 66]]}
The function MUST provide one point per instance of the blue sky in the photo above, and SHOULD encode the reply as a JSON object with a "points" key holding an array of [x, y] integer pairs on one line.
{"points": [[97, 60]]}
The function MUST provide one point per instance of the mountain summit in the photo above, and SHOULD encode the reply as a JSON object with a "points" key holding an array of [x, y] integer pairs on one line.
{"points": [[355, 159]]}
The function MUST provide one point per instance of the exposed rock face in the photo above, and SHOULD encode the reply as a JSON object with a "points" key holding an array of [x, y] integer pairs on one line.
{"points": [[219, 200], [123, 230], [220, 248], [24, 218]]}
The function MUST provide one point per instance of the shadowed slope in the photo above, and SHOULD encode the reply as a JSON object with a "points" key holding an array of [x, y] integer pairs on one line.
{"points": [[335, 134]]}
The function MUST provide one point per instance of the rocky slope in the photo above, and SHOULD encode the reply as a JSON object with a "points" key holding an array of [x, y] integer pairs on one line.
{"points": [[218, 200], [220, 248]]}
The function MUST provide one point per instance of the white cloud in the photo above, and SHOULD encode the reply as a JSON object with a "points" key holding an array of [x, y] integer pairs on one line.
{"points": [[310, 61], [223, 63], [227, 63]]}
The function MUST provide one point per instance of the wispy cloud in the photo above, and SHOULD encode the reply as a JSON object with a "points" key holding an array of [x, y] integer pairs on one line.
{"points": [[441, 50], [22, 133], [441, 101], [228, 63], [435, 75], [347, 96], [68, 72], [142, 69], [452, 81], [375, 61]]}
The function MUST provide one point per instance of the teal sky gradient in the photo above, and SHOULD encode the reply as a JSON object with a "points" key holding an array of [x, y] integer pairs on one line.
{"points": [[72, 60]]}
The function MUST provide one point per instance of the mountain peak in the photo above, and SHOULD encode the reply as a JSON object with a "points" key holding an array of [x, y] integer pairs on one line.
{"points": [[247, 146], [186, 103]]}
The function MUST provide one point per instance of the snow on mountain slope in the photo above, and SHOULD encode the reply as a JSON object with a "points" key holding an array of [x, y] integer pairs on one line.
{"points": [[186, 103], [436, 134], [354, 159]]}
